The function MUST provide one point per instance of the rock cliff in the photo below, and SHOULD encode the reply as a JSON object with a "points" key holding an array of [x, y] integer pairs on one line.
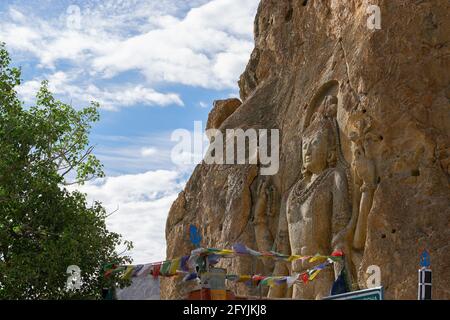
{"points": [[390, 88]]}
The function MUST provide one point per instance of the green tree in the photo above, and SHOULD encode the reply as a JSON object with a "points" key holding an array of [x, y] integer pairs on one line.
{"points": [[44, 228]]}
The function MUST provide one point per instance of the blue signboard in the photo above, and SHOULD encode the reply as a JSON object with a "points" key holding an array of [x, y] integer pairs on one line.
{"points": [[425, 259], [367, 294], [194, 235]]}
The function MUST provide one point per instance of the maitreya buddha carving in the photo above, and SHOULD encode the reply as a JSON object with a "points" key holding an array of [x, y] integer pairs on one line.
{"points": [[318, 208]]}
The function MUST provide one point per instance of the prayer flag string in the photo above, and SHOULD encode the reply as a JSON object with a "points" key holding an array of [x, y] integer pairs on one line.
{"points": [[183, 265]]}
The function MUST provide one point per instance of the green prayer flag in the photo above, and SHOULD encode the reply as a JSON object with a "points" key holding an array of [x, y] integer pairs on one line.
{"points": [[165, 268]]}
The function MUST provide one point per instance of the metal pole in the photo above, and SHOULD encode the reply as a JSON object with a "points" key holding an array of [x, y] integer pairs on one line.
{"points": [[424, 287]]}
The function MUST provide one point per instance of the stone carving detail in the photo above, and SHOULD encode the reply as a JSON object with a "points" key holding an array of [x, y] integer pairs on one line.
{"points": [[261, 220], [318, 209], [365, 148], [365, 171]]}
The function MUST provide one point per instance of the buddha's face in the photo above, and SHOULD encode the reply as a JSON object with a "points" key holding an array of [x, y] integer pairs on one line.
{"points": [[315, 151]]}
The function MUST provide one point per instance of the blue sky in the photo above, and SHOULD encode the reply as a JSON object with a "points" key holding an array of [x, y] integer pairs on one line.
{"points": [[154, 66]]}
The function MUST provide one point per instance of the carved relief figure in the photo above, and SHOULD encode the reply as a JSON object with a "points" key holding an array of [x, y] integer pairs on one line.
{"points": [[318, 208], [364, 142], [281, 244], [365, 170], [262, 221], [364, 167]]}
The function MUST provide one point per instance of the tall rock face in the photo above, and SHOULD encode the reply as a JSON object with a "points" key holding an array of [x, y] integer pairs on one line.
{"points": [[364, 120]]}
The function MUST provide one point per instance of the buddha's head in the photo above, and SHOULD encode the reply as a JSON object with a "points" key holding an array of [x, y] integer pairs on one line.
{"points": [[329, 106], [319, 140]]}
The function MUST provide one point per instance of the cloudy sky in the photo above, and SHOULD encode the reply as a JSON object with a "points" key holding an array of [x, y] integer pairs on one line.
{"points": [[154, 66]]}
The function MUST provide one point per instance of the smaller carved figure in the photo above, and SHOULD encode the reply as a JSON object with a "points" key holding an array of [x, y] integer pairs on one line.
{"points": [[365, 171]]}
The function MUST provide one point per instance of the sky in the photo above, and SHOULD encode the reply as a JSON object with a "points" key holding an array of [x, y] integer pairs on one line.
{"points": [[154, 66]]}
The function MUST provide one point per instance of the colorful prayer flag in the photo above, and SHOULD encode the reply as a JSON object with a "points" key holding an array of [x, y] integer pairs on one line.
{"points": [[184, 266], [128, 273], [137, 269], [144, 271], [232, 277], [304, 277], [317, 257], [239, 248], [337, 253], [244, 278], [314, 274], [156, 269], [190, 277], [174, 266], [165, 268]]}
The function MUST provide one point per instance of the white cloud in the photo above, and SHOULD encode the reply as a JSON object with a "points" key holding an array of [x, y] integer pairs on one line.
{"points": [[207, 47], [131, 95], [203, 104], [61, 83], [143, 202], [148, 151], [121, 154]]}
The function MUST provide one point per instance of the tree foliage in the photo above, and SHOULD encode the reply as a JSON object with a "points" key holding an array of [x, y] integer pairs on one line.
{"points": [[44, 228]]}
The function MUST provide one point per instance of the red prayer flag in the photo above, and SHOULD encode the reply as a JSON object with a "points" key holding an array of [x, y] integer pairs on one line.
{"points": [[108, 273], [155, 270], [338, 253], [305, 277]]}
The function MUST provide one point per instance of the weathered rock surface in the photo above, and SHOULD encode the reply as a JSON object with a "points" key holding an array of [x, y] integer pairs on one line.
{"points": [[221, 111], [393, 115]]}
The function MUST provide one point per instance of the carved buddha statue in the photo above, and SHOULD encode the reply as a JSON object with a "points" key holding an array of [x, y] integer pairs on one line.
{"points": [[318, 206]]}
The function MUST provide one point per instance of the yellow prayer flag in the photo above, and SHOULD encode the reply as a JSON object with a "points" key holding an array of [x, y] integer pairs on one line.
{"points": [[128, 273], [314, 274], [175, 265], [225, 252], [297, 257], [243, 278], [317, 257]]}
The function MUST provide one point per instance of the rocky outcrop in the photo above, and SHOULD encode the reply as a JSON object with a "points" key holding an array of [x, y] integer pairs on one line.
{"points": [[390, 89], [222, 109]]}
